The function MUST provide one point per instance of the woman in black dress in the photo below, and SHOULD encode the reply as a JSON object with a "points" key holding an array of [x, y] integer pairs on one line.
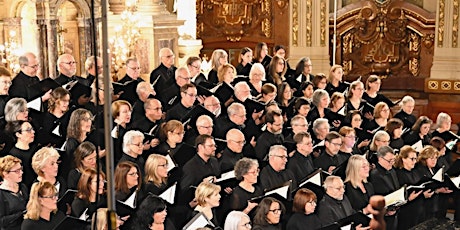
{"points": [[121, 112], [86, 201], [256, 75], [150, 215], [218, 58], [45, 163], [261, 54], [420, 132], [304, 207], [42, 212], [207, 195], [405, 114], [372, 95], [156, 175], [357, 188], [245, 59], [269, 214], [85, 158], [394, 128], [413, 212], [171, 135], [246, 170], [24, 148], [334, 81], [13, 194]]}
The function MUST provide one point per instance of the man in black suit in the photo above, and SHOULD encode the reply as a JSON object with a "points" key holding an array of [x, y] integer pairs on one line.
{"points": [[335, 204], [20, 86], [234, 151], [271, 136], [143, 90], [329, 158], [188, 96], [275, 173], [301, 162], [67, 67], [171, 95], [90, 66], [163, 75], [235, 120]]}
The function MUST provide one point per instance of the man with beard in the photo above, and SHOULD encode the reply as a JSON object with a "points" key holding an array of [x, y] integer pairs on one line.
{"points": [[271, 136]]}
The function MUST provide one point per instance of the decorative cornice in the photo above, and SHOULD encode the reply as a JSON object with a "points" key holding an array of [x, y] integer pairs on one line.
{"points": [[445, 86]]}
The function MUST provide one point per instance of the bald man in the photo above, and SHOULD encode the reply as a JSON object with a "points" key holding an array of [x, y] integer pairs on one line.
{"points": [[67, 67], [234, 151], [163, 75]]}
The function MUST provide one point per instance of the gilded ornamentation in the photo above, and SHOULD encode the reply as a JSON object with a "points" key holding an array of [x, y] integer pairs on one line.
{"points": [[455, 16], [414, 52], [441, 22], [295, 22], [308, 23], [282, 4], [428, 41], [323, 18], [433, 85], [446, 85], [233, 19], [266, 23]]}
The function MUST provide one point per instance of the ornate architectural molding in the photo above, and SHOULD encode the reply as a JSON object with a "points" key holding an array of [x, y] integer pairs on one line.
{"points": [[266, 23], [308, 23], [295, 22], [441, 22], [323, 20], [444, 86], [455, 22]]}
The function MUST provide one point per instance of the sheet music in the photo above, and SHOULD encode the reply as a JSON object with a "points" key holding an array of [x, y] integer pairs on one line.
{"points": [[456, 181], [153, 129], [316, 179], [69, 85], [439, 175], [84, 216], [282, 191], [169, 194], [396, 198], [171, 163], [347, 227], [198, 221], [35, 104], [62, 148], [321, 143], [342, 111], [226, 176], [131, 201], [155, 82], [56, 131], [114, 132], [418, 146]]}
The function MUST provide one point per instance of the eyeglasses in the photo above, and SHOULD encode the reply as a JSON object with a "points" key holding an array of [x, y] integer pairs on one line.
{"points": [[54, 196], [212, 105], [275, 211], [312, 202], [339, 188], [282, 157], [179, 134], [156, 109], [391, 161], [87, 119], [133, 174], [169, 56], [205, 127], [70, 63], [33, 66], [185, 78], [351, 137], [307, 143], [164, 165], [280, 63], [254, 172], [384, 141], [239, 142], [28, 130], [337, 144], [24, 110], [134, 68], [191, 94], [138, 145], [413, 158], [247, 225], [211, 146], [6, 82], [17, 170], [196, 67], [305, 125]]}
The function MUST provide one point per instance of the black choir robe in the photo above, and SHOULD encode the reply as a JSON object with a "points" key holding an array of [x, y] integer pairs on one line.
{"points": [[265, 141], [300, 165], [407, 119], [228, 160], [331, 210], [165, 75], [270, 179]]}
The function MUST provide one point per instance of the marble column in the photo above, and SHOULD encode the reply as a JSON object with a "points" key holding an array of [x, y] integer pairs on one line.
{"points": [[85, 34], [309, 31], [188, 44], [446, 60]]}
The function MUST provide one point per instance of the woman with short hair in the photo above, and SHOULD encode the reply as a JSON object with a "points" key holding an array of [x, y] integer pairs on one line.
{"points": [[45, 163], [237, 220], [151, 214], [207, 195], [171, 135], [14, 194], [121, 113], [246, 171], [303, 209], [42, 211]]}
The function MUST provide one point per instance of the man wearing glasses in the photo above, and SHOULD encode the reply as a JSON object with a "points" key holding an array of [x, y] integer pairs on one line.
{"points": [[385, 180], [131, 79], [271, 136], [67, 67], [171, 95], [275, 173], [20, 86], [188, 96], [335, 204], [163, 75], [329, 159], [234, 151]]}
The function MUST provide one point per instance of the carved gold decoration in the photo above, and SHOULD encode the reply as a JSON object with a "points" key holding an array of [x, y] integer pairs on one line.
{"points": [[441, 22], [428, 41], [295, 22], [233, 19], [433, 85], [323, 18], [455, 16], [444, 86], [457, 86], [266, 23], [414, 52], [282, 4], [308, 23]]}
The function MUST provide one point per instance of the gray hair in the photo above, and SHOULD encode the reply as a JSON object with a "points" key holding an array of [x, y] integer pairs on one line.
{"points": [[41, 157], [318, 122], [275, 148], [257, 67], [330, 180], [233, 220], [128, 139], [13, 107], [24, 59], [442, 117], [243, 165], [384, 150], [317, 95], [181, 70], [406, 99], [234, 108], [203, 118]]}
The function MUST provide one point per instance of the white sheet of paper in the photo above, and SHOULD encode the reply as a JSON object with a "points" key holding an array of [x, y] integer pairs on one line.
{"points": [[226, 176], [395, 197], [35, 104], [171, 163], [282, 191], [316, 179], [439, 175], [418, 146], [56, 131], [169, 194]]}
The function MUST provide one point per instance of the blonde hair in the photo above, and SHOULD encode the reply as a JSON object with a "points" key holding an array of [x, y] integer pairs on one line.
{"points": [[354, 165], [205, 190], [38, 190], [41, 157], [7, 163], [151, 165], [101, 218]]}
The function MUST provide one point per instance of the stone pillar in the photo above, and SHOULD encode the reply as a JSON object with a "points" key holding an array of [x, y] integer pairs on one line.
{"points": [[52, 48], [310, 33], [188, 44], [165, 35], [116, 6], [42, 54], [446, 59], [85, 34]]}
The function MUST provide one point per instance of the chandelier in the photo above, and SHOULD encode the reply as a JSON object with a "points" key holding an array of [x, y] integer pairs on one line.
{"points": [[10, 52], [122, 44]]}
